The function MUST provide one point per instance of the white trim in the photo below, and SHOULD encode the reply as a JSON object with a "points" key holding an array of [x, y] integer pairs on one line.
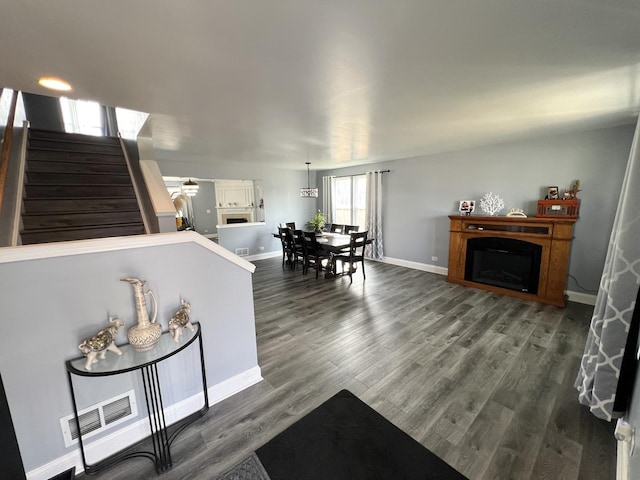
{"points": [[160, 199], [623, 465], [17, 210], [415, 265], [98, 245], [138, 430], [262, 256], [579, 297], [236, 225], [235, 384], [134, 183]]}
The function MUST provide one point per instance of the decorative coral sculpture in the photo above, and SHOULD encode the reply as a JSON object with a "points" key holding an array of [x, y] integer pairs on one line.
{"points": [[491, 203]]}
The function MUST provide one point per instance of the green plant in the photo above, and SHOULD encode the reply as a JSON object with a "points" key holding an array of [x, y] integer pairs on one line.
{"points": [[317, 222]]}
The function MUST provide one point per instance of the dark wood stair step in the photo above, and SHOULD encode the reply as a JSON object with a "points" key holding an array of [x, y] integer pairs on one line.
{"points": [[41, 221], [71, 137], [62, 235], [78, 205], [49, 146], [75, 191], [39, 166], [65, 178], [62, 156]]}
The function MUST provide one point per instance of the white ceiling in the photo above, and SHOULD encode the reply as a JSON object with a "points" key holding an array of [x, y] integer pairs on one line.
{"points": [[335, 82]]}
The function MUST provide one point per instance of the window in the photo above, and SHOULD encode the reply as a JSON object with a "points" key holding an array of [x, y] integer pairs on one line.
{"points": [[5, 104], [82, 116], [130, 122], [349, 200]]}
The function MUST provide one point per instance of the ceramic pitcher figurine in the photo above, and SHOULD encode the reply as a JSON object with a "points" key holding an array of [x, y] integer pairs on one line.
{"points": [[146, 334]]}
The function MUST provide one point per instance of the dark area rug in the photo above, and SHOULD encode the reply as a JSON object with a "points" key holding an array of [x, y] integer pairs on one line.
{"points": [[344, 438]]}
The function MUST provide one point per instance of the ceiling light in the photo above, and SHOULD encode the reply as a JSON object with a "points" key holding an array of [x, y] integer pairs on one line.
{"points": [[190, 188], [53, 83], [308, 192]]}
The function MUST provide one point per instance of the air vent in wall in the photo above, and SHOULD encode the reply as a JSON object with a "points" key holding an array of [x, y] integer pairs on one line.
{"points": [[99, 417]]}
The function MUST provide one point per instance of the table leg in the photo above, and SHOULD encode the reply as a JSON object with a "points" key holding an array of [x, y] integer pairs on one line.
{"points": [[157, 423]]}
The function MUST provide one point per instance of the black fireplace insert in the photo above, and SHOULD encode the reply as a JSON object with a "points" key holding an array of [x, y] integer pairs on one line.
{"points": [[504, 262]]}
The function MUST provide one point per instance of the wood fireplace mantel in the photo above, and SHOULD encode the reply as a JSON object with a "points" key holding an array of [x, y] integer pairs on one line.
{"points": [[554, 235]]}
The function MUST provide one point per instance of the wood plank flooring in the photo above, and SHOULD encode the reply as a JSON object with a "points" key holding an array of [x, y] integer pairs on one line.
{"points": [[482, 380]]}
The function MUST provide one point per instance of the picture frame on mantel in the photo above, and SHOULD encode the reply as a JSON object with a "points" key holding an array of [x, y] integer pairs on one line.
{"points": [[467, 207], [553, 193]]}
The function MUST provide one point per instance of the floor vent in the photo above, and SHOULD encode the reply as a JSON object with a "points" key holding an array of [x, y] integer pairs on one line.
{"points": [[99, 417], [242, 252]]}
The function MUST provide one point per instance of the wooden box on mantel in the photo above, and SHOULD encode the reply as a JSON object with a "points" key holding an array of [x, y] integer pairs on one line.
{"points": [[559, 208]]}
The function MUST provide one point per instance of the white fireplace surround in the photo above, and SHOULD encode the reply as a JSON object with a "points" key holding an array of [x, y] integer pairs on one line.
{"points": [[226, 213]]}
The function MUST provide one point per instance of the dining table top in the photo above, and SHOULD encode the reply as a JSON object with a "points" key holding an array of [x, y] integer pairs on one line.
{"points": [[333, 242]]}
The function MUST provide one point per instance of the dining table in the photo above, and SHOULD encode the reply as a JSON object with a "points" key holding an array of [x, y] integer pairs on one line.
{"points": [[334, 243]]}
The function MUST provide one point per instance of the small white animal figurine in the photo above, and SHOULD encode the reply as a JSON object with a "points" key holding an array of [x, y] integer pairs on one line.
{"points": [[101, 342], [180, 320]]}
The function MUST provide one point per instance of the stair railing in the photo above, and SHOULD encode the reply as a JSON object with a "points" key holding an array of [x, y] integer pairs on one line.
{"points": [[22, 168], [6, 145], [134, 181]]}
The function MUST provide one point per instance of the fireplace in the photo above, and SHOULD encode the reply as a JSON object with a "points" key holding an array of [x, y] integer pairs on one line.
{"points": [[231, 220], [235, 216], [503, 262], [521, 257]]}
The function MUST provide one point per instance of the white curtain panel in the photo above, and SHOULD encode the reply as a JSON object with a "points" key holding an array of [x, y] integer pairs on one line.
{"points": [[327, 198], [599, 373], [374, 250]]}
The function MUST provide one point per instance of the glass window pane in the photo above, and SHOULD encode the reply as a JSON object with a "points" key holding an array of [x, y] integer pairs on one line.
{"points": [[130, 122], [82, 116], [5, 104], [342, 200]]}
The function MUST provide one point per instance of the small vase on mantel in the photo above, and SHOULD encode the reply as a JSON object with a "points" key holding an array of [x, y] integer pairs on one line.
{"points": [[146, 333]]}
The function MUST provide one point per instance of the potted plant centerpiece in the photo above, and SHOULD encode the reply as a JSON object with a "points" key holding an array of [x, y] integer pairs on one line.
{"points": [[317, 222]]}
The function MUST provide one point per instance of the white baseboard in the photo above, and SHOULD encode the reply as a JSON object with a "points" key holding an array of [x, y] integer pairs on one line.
{"points": [[138, 430], [263, 256], [579, 297], [622, 463], [416, 265]]}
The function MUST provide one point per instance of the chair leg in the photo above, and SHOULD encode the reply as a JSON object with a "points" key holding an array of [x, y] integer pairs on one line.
{"points": [[363, 275]]}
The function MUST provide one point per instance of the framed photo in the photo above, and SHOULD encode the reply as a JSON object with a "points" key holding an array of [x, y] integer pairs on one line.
{"points": [[467, 206], [553, 193]]}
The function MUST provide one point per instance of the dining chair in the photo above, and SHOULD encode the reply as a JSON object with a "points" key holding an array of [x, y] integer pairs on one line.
{"points": [[287, 245], [354, 255], [336, 228], [350, 228], [313, 253], [297, 248]]}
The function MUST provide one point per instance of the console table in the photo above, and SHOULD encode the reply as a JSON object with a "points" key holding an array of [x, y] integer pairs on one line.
{"points": [[162, 436], [553, 235]]}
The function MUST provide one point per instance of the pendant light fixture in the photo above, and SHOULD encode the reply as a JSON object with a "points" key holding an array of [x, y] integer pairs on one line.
{"points": [[308, 192], [190, 188]]}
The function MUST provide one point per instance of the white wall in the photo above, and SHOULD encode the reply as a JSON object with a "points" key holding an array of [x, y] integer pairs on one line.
{"points": [[420, 192], [281, 197], [51, 304]]}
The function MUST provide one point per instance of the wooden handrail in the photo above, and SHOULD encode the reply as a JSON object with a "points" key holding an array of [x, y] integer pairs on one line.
{"points": [[6, 145]]}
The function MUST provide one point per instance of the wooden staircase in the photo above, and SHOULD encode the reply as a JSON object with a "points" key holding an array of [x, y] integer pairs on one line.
{"points": [[77, 187]]}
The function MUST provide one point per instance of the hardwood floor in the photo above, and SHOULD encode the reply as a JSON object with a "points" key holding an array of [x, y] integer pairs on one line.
{"points": [[482, 380]]}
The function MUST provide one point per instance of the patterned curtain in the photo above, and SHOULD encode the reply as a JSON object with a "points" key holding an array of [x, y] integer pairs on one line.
{"points": [[374, 215], [599, 373], [327, 198]]}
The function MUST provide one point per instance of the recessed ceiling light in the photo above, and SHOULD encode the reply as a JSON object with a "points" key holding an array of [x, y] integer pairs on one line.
{"points": [[53, 83]]}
